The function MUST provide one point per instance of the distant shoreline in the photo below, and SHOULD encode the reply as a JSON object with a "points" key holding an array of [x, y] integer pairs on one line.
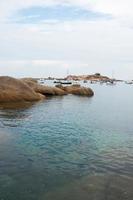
{"points": [[91, 77]]}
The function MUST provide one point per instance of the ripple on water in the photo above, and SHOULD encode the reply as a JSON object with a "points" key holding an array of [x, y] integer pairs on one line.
{"points": [[97, 187], [68, 148]]}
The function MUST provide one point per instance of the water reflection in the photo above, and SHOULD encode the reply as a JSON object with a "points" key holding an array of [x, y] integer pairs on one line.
{"points": [[13, 113], [16, 105]]}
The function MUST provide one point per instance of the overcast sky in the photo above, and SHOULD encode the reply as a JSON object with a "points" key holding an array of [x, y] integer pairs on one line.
{"points": [[42, 38]]}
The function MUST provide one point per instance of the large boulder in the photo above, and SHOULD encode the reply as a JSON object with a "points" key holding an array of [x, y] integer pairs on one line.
{"points": [[77, 90], [29, 79], [45, 90], [13, 90]]}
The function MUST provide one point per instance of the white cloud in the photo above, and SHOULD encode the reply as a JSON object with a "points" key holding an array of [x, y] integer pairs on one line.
{"points": [[118, 8], [84, 47], [114, 7]]}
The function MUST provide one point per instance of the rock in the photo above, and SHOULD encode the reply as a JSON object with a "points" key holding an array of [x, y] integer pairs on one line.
{"points": [[77, 90], [19, 90], [13, 90], [92, 77], [45, 90], [29, 79]]}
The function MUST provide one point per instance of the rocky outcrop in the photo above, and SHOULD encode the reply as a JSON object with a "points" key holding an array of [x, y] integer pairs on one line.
{"points": [[93, 77], [45, 90], [77, 90], [13, 90], [29, 79], [19, 90]]}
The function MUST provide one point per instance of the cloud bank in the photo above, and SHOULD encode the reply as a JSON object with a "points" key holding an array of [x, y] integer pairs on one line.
{"points": [[45, 38]]}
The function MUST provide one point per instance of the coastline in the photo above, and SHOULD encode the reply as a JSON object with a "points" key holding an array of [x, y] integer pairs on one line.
{"points": [[20, 90]]}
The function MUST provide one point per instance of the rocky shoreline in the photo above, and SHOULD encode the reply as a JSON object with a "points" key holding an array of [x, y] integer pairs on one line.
{"points": [[92, 77], [19, 90]]}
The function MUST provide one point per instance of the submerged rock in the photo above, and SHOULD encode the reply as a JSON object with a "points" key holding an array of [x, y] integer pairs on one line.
{"points": [[95, 187]]}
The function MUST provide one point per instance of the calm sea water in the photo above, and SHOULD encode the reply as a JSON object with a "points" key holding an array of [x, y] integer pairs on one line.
{"points": [[69, 148]]}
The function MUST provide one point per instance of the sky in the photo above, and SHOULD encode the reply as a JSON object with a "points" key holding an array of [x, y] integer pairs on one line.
{"points": [[41, 38]]}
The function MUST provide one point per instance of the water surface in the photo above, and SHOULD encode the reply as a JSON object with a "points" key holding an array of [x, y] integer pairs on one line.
{"points": [[69, 147]]}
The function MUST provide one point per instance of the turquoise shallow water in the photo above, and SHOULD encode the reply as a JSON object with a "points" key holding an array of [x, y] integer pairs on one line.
{"points": [[69, 147]]}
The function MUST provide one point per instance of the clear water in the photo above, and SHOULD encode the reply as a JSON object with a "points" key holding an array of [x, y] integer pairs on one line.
{"points": [[69, 148]]}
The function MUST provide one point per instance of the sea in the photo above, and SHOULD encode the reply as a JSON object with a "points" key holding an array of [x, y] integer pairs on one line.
{"points": [[69, 147]]}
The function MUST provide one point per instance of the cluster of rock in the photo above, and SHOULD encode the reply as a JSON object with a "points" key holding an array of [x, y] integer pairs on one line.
{"points": [[77, 90], [14, 90], [93, 77]]}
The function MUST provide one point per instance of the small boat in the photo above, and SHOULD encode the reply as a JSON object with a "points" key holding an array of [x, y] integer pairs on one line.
{"points": [[85, 81], [66, 82], [111, 82], [101, 82], [129, 82], [92, 82], [63, 82], [41, 81], [58, 82]]}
